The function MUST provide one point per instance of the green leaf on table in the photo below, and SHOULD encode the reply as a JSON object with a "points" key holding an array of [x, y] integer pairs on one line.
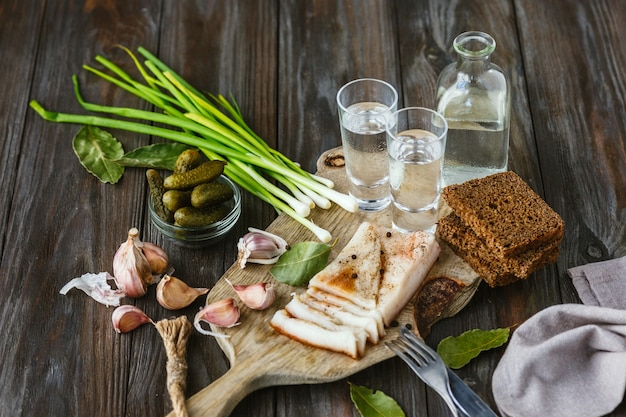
{"points": [[157, 156], [457, 351], [374, 404], [303, 260], [97, 151]]}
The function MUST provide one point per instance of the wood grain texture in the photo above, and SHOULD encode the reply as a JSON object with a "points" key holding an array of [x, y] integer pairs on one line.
{"points": [[283, 61], [580, 131], [59, 207], [23, 18], [323, 45]]}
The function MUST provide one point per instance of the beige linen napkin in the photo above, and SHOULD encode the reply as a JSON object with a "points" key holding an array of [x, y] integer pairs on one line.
{"points": [[602, 283], [570, 359]]}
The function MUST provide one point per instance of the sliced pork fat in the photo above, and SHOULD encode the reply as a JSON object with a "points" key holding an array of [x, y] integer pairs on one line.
{"points": [[407, 258], [299, 309], [355, 272], [361, 291], [311, 334], [366, 324], [350, 307]]}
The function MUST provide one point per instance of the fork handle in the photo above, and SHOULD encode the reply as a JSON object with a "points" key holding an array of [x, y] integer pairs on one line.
{"points": [[466, 399]]}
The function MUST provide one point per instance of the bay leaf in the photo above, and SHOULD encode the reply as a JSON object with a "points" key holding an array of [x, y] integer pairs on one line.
{"points": [[374, 404], [303, 260], [157, 156], [97, 151], [458, 351]]}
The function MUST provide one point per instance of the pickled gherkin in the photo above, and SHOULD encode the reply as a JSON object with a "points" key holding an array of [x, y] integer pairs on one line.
{"points": [[195, 217], [155, 184], [175, 199], [206, 172], [210, 194], [187, 160], [191, 196]]}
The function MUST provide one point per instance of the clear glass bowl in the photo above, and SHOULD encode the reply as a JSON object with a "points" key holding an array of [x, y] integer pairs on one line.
{"points": [[205, 235]]}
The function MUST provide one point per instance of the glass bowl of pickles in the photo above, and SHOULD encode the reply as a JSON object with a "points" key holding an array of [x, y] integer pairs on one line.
{"points": [[196, 208]]}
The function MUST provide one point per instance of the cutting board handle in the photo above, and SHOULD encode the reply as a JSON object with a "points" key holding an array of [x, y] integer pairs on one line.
{"points": [[222, 396]]}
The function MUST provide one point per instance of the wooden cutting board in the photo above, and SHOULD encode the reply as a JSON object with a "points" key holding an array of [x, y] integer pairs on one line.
{"points": [[260, 357]]}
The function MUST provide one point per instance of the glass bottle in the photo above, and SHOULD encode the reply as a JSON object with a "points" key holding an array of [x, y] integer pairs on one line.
{"points": [[474, 96]]}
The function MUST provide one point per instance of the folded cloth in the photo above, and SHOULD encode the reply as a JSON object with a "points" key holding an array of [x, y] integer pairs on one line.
{"points": [[601, 283], [570, 359], [566, 360]]}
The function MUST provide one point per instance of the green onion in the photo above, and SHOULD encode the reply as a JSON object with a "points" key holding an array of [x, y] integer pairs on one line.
{"points": [[196, 120]]}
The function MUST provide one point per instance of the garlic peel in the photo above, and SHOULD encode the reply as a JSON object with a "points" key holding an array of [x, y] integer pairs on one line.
{"points": [[256, 296], [261, 247], [173, 293], [96, 286], [127, 318], [222, 313]]}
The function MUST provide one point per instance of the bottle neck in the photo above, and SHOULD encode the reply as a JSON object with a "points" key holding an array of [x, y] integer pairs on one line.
{"points": [[474, 47], [473, 61]]}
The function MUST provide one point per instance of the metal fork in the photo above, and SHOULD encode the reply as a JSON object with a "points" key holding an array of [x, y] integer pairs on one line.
{"points": [[426, 363]]}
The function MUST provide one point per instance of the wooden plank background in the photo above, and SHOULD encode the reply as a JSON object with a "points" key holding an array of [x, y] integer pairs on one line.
{"points": [[283, 61]]}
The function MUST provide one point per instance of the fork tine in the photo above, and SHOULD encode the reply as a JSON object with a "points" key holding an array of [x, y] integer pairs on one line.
{"points": [[400, 348], [419, 350], [408, 350], [418, 346], [404, 351], [425, 363], [401, 352]]}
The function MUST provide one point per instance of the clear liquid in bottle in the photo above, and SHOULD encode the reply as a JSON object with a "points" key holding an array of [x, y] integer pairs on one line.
{"points": [[474, 97]]}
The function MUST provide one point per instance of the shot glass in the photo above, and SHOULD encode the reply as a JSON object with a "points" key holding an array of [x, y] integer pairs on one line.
{"points": [[416, 143], [366, 106]]}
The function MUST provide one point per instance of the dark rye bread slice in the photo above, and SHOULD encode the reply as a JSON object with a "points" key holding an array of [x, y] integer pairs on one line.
{"points": [[493, 274], [505, 213], [495, 270]]}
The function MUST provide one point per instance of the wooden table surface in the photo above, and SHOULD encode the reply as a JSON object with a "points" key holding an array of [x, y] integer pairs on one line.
{"points": [[283, 61]]}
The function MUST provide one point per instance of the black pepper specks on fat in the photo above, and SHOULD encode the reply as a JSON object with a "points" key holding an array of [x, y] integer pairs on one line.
{"points": [[355, 275]]}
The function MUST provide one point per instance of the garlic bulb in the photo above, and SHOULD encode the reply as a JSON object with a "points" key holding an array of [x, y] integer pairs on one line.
{"points": [[127, 318], [157, 258], [222, 313], [173, 293], [256, 296], [260, 247], [131, 269]]}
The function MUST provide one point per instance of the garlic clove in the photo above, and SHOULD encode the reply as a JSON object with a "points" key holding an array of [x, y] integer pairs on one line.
{"points": [[131, 269], [256, 296], [222, 313], [127, 318], [173, 293], [157, 258], [261, 247]]}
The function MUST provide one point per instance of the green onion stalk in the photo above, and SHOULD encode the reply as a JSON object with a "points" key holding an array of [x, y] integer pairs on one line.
{"points": [[197, 120]]}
